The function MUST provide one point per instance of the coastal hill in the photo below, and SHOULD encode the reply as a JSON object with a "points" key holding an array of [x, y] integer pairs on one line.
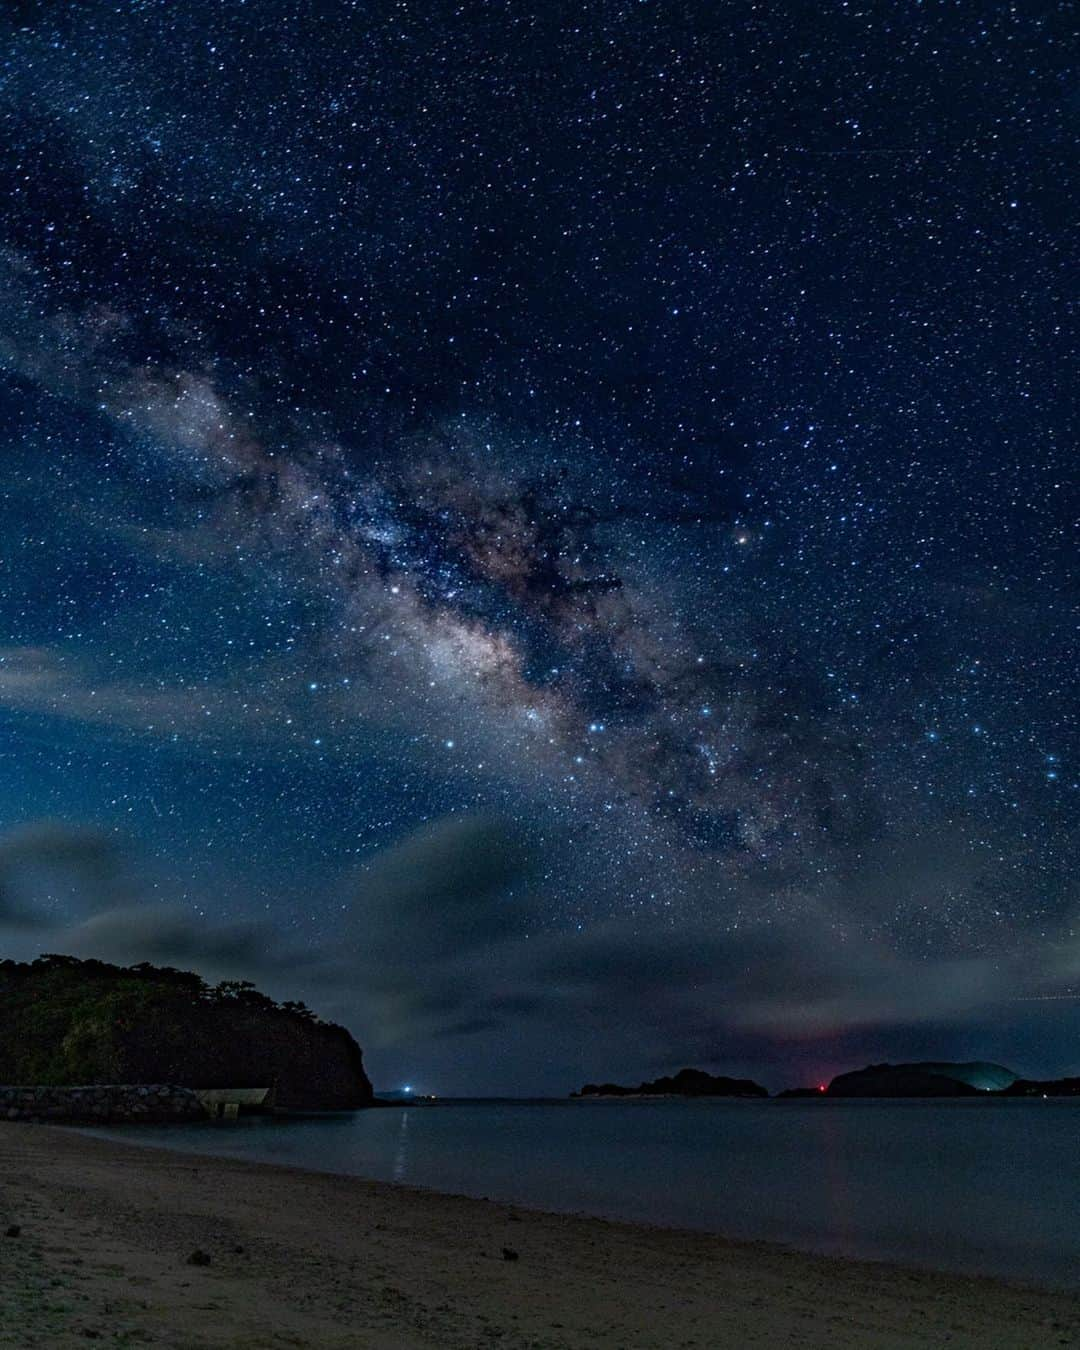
{"points": [[65, 1021], [922, 1080], [1049, 1087], [936, 1079], [898, 1080], [686, 1083]]}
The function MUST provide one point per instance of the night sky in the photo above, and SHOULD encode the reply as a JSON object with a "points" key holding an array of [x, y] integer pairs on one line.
{"points": [[545, 529]]}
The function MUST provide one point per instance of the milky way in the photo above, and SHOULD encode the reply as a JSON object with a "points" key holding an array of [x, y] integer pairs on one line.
{"points": [[649, 432]]}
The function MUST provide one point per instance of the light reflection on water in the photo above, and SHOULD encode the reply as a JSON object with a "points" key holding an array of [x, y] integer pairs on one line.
{"points": [[990, 1187], [401, 1155]]}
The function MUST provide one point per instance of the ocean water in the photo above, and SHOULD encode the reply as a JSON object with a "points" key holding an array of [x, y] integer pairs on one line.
{"points": [[976, 1187]]}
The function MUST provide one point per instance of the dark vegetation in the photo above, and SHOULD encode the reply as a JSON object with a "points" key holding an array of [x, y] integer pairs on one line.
{"points": [[66, 1021]]}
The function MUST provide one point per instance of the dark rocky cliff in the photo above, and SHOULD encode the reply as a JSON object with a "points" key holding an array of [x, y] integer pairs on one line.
{"points": [[64, 1021]]}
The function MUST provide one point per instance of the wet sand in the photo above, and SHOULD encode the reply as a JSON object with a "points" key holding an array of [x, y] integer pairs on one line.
{"points": [[304, 1259]]}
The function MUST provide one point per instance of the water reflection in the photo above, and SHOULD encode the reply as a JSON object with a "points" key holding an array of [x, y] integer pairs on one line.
{"points": [[834, 1162], [401, 1152]]}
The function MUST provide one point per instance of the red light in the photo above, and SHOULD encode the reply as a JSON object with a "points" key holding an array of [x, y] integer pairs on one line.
{"points": [[821, 1087]]}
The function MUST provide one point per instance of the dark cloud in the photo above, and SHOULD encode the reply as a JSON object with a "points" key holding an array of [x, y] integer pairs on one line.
{"points": [[442, 891], [812, 977], [169, 935], [76, 890], [48, 869]]}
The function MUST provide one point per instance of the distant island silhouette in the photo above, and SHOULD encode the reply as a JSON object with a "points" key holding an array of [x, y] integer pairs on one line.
{"points": [[926, 1079], [686, 1083], [930, 1079]]}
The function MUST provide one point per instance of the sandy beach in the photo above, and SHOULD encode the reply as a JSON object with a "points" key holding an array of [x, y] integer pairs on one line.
{"points": [[106, 1233]]}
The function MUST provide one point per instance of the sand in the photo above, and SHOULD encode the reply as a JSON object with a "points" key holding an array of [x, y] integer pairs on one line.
{"points": [[308, 1259]]}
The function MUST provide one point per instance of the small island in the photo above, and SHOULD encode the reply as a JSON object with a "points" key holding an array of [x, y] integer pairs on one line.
{"points": [[935, 1079], [686, 1083], [922, 1080]]}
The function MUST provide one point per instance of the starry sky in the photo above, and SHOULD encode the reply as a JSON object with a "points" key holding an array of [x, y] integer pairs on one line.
{"points": [[546, 529]]}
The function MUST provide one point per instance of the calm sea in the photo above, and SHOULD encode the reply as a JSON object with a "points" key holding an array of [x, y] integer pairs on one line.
{"points": [[982, 1187]]}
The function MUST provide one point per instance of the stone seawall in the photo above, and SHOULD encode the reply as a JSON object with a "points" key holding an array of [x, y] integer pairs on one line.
{"points": [[101, 1104]]}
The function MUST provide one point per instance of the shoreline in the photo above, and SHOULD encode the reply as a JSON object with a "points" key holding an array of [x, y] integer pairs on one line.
{"points": [[313, 1259]]}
